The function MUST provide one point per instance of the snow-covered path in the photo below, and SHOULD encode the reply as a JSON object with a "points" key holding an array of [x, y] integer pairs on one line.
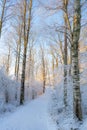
{"points": [[33, 116]]}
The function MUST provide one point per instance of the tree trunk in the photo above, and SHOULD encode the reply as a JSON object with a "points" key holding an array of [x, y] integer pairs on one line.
{"points": [[16, 61], [70, 69], [8, 61], [2, 15], [27, 25], [19, 51], [65, 71], [75, 63], [65, 4], [44, 77], [23, 76], [53, 70]]}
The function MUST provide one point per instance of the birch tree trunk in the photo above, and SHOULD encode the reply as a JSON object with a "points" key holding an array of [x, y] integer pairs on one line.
{"points": [[27, 25], [23, 76], [65, 5], [75, 62], [65, 72]]}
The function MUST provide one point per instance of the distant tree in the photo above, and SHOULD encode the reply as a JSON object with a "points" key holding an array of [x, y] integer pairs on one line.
{"points": [[30, 60], [9, 58], [19, 50], [42, 49]]}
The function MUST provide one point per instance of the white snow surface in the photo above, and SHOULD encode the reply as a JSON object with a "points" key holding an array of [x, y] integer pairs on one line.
{"points": [[32, 116]]}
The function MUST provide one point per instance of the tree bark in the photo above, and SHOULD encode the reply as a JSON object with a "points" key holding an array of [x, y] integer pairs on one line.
{"points": [[65, 71], [16, 61], [23, 76], [65, 5], [70, 69], [75, 60], [26, 39]]}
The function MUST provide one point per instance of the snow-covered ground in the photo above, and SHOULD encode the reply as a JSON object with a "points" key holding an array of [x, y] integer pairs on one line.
{"points": [[45, 113], [64, 118], [32, 116]]}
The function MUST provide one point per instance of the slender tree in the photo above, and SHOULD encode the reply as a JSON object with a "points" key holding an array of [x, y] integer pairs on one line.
{"points": [[43, 66], [65, 6], [19, 50], [8, 59]]}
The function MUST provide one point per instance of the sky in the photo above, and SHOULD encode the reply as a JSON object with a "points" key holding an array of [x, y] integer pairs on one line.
{"points": [[42, 18]]}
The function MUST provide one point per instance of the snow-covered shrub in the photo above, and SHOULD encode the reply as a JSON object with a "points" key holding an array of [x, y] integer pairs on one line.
{"points": [[63, 117], [8, 90]]}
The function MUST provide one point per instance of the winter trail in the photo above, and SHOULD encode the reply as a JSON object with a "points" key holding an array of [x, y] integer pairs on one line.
{"points": [[33, 116]]}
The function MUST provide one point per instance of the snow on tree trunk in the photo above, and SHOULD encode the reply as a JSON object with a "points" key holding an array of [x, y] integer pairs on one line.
{"points": [[65, 5], [75, 63]]}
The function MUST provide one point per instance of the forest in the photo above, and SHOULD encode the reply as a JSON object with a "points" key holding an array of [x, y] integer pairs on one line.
{"points": [[43, 60]]}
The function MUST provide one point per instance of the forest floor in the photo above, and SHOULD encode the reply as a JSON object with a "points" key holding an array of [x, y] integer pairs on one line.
{"points": [[42, 114], [32, 116]]}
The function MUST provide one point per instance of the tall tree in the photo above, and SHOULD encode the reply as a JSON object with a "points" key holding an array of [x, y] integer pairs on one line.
{"points": [[65, 6], [75, 60], [27, 25]]}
